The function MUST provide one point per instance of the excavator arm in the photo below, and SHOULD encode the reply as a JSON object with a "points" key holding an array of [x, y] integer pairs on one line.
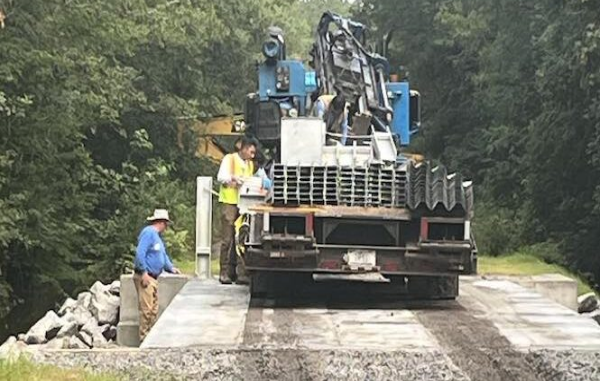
{"points": [[344, 66]]}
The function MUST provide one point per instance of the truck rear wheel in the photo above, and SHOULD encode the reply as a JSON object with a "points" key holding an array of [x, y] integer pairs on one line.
{"points": [[433, 287]]}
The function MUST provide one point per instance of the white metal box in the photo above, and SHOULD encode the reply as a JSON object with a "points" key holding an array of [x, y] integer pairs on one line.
{"points": [[302, 140]]}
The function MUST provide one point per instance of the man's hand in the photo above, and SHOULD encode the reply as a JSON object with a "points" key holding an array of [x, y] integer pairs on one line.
{"points": [[146, 280], [235, 182], [175, 270]]}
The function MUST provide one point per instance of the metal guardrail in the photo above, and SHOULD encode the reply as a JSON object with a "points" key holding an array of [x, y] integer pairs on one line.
{"points": [[331, 185]]}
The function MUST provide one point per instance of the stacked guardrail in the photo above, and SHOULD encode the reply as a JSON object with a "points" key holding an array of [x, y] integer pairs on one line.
{"points": [[434, 189], [416, 186], [374, 186]]}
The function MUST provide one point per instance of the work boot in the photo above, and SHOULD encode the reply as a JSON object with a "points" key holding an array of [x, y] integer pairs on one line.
{"points": [[224, 278], [232, 274], [243, 279], [242, 275]]}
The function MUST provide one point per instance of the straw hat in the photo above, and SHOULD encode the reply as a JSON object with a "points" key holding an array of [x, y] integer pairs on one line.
{"points": [[159, 215]]}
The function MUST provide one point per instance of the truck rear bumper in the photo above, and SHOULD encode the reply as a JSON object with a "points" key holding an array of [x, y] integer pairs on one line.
{"points": [[330, 239], [395, 261]]}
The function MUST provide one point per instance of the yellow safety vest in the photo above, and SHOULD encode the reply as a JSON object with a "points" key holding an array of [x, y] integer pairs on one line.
{"points": [[230, 195]]}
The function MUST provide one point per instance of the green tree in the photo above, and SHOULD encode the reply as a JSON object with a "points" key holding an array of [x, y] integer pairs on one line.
{"points": [[510, 95], [92, 95]]}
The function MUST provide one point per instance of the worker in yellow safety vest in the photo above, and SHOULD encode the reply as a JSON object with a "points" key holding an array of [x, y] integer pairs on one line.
{"points": [[235, 167]]}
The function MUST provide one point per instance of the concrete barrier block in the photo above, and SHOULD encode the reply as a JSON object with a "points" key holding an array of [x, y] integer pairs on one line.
{"points": [[128, 327], [128, 310], [169, 286], [556, 287], [128, 334]]}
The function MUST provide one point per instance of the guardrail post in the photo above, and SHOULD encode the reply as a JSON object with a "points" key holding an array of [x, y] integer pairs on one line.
{"points": [[203, 226]]}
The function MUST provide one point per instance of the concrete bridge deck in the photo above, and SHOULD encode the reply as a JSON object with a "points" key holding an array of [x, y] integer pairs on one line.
{"points": [[495, 331], [203, 313], [209, 315]]}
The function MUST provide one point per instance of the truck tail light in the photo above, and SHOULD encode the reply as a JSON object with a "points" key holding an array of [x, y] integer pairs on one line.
{"points": [[309, 226], [424, 229]]}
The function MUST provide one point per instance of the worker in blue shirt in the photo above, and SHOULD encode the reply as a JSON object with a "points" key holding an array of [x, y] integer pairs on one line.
{"points": [[151, 259]]}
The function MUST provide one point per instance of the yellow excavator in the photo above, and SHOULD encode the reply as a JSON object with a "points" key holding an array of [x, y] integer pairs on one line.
{"points": [[216, 135]]}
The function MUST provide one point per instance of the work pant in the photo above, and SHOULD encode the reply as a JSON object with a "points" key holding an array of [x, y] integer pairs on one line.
{"points": [[228, 260], [147, 304]]}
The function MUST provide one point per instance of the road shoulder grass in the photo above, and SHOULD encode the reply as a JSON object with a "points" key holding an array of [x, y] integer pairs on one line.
{"points": [[188, 266], [25, 370]]}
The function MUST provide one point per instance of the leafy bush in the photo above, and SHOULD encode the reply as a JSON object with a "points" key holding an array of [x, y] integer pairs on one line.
{"points": [[497, 230], [549, 252]]}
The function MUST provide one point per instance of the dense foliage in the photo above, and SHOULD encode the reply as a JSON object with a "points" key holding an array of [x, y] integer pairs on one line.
{"points": [[511, 94], [91, 94]]}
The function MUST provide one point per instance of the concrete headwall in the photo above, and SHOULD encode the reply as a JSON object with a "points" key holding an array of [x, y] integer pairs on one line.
{"points": [[128, 327], [557, 287]]}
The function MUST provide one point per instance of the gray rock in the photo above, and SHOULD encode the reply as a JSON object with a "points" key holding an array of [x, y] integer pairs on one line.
{"points": [[99, 340], [84, 299], [76, 343], [69, 329], [593, 315], [90, 326], [68, 317], [45, 329], [68, 305], [52, 332], [86, 338], [587, 302], [109, 332], [12, 349], [596, 316], [58, 343], [99, 288], [81, 316], [21, 337], [115, 288], [105, 308], [10, 342], [35, 348], [92, 329]]}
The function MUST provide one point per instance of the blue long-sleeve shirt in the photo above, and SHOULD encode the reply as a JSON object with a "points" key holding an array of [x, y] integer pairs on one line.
{"points": [[151, 255]]}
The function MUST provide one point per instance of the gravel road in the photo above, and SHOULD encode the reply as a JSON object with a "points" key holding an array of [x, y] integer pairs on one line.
{"points": [[323, 340], [261, 364]]}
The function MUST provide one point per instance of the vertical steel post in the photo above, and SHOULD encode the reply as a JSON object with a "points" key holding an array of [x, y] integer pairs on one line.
{"points": [[203, 226]]}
